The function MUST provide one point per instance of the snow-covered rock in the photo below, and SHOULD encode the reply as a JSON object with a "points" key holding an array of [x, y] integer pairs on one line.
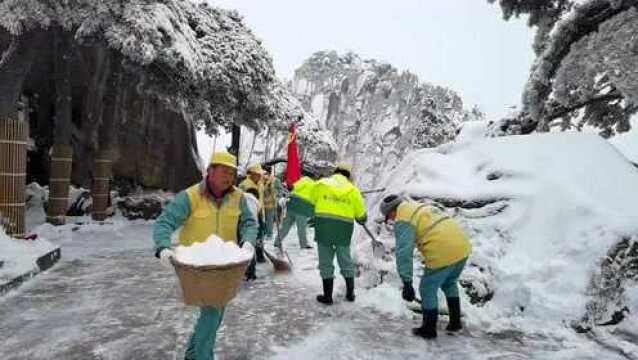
{"points": [[19, 256], [36, 198], [142, 206], [543, 211]]}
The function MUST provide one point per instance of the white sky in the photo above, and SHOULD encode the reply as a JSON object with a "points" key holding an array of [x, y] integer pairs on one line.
{"points": [[463, 44]]}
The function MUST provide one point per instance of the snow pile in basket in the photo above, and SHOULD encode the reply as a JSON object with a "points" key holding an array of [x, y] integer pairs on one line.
{"points": [[214, 251]]}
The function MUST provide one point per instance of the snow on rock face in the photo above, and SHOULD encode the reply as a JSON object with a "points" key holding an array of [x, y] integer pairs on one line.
{"points": [[213, 251], [374, 111], [542, 211]]}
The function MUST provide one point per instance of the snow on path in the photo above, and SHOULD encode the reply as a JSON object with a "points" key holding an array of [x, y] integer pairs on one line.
{"points": [[109, 298]]}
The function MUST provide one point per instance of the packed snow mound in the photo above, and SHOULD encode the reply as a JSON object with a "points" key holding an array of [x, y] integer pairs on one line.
{"points": [[627, 143], [542, 210], [213, 251], [473, 130], [19, 256]]}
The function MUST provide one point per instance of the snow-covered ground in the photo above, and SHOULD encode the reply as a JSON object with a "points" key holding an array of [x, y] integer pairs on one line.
{"points": [[109, 298], [543, 212], [627, 143]]}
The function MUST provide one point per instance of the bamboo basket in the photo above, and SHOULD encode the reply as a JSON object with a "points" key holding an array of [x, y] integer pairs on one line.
{"points": [[212, 285]]}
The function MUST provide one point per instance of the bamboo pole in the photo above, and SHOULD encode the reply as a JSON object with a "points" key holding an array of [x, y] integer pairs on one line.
{"points": [[61, 163], [13, 168], [100, 190]]}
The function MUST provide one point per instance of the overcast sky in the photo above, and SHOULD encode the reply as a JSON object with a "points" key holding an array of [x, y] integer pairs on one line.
{"points": [[462, 44]]}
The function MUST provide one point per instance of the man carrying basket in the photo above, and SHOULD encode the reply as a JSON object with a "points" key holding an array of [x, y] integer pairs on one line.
{"points": [[213, 206]]}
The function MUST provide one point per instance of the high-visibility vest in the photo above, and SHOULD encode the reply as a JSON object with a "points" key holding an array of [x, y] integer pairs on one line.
{"points": [[335, 197], [206, 218], [440, 239]]}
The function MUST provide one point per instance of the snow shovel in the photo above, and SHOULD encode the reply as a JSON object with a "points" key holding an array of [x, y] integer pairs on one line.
{"points": [[279, 263], [378, 250]]}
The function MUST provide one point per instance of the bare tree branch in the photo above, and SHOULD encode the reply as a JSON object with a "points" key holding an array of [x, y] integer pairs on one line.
{"points": [[614, 95], [9, 52]]}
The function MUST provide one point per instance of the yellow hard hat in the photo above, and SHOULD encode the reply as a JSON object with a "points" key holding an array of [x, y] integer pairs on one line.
{"points": [[344, 166], [256, 169], [223, 158]]}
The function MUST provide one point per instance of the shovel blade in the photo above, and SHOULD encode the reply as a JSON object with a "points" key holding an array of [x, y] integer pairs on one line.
{"points": [[279, 263], [378, 250]]}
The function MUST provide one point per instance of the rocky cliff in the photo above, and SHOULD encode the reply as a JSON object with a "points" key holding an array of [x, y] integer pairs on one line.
{"points": [[375, 112]]}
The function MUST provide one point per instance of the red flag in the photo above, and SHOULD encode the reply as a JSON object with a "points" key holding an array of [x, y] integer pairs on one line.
{"points": [[293, 171]]}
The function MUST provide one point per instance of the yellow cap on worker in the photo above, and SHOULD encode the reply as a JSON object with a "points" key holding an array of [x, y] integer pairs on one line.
{"points": [[256, 169], [344, 166], [223, 158]]}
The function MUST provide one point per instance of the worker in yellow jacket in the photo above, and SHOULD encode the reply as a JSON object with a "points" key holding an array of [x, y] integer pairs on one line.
{"points": [[299, 210], [213, 206], [443, 245], [338, 204], [253, 184], [273, 189]]}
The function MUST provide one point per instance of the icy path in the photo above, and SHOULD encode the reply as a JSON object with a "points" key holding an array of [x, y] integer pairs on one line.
{"points": [[110, 299]]}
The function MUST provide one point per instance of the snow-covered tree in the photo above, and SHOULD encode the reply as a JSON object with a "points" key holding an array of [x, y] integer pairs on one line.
{"points": [[585, 70], [197, 59]]}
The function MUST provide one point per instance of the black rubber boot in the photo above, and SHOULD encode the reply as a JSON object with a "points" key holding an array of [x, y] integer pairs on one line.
{"points": [[259, 254], [454, 308], [349, 289], [428, 328], [326, 298], [250, 271]]}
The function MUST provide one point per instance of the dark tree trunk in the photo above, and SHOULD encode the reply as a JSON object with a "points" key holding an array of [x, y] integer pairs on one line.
{"points": [[106, 142], [234, 147], [15, 62], [62, 154]]}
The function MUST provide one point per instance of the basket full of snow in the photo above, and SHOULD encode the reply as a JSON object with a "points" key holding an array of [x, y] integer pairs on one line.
{"points": [[210, 272]]}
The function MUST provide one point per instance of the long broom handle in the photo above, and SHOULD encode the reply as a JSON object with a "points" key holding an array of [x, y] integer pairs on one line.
{"points": [[374, 241]]}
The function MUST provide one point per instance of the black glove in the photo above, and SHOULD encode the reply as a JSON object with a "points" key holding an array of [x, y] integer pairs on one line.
{"points": [[408, 291]]}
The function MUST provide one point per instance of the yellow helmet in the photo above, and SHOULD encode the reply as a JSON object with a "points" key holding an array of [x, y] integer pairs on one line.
{"points": [[344, 166], [256, 169], [223, 158]]}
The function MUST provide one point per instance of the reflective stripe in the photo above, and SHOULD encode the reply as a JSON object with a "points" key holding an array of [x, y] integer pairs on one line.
{"points": [[335, 217], [429, 228]]}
